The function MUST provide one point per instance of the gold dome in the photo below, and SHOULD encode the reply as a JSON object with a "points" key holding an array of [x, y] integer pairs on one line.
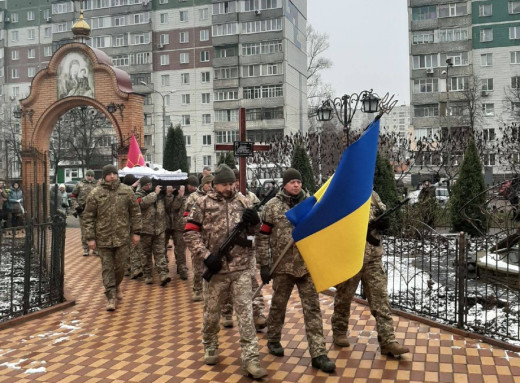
{"points": [[81, 29]]}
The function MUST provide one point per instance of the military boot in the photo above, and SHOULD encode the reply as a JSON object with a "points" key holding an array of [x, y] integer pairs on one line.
{"points": [[137, 274], [119, 293], [323, 363], [394, 349], [148, 280], [254, 369], [111, 300], [260, 322], [340, 340], [275, 348], [165, 279], [210, 356], [227, 321], [197, 296]]}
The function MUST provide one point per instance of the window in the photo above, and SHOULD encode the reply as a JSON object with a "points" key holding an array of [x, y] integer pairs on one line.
{"points": [[486, 35], [30, 15], [163, 18], [266, 47], [166, 100], [47, 51], [488, 134], [226, 115], [122, 60], [15, 73], [140, 38], [486, 59], [203, 13], [165, 59], [184, 58], [118, 21], [184, 37], [514, 7], [204, 34], [14, 36], [15, 55], [265, 91], [223, 7], [185, 78], [452, 10], [221, 52], [206, 160], [226, 72], [31, 53], [453, 34], [225, 29], [425, 61], [206, 139], [426, 85], [164, 39], [485, 10], [431, 110], [204, 56], [205, 77], [187, 140], [163, 1], [14, 17], [120, 41], [457, 59], [421, 133], [258, 26], [30, 34], [423, 37], [47, 32], [206, 119], [487, 84], [46, 13], [226, 137], [515, 82], [226, 94], [488, 110], [424, 13], [515, 57], [205, 98], [185, 119], [489, 159], [185, 99], [514, 33], [183, 16], [458, 84], [165, 80]]}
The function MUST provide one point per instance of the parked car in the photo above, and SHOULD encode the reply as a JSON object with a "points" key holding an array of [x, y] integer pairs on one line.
{"points": [[414, 197], [442, 195]]}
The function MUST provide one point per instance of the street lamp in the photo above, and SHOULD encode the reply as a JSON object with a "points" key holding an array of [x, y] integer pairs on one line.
{"points": [[346, 106], [449, 63], [163, 95]]}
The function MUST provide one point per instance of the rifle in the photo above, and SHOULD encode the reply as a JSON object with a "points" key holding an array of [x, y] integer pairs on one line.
{"points": [[373, 223], [230, 241]]}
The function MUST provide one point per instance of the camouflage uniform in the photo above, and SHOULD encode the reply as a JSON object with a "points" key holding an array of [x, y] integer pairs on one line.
{"points": [[374, 281], [79, 198], [196, 262], [178, 223], [275, 235], [211, 219], [153, 211], [258, 299], [427, 204], [111, 215]]}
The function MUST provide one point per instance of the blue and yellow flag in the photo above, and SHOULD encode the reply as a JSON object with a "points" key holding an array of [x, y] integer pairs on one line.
{"points": [[330, 227]]}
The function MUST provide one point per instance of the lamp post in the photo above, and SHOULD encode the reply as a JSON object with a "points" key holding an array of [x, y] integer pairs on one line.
{"points": [[163, 95], [449, 64], [346, 106]]}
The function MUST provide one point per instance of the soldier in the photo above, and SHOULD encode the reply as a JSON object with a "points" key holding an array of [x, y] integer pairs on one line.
{"points": [[274, 235], [374, 281], [153, 210], [79, 198], [196, 262], [110, 217], [212, 218], [427, 203], [133, 266], [178, 223], [258, 300]]}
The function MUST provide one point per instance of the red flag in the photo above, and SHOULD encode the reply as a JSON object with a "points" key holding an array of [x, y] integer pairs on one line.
{"points": [[135, 157]]}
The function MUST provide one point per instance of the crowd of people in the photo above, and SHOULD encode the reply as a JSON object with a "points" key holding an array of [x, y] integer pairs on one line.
{"points": [[127, 223], [11, 205]]}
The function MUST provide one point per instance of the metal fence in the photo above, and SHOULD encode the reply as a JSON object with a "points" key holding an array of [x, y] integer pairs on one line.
{"points": [[32, 259]]}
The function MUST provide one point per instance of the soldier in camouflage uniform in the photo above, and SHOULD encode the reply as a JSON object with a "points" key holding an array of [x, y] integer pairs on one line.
{"points": [[196, 262], [133, 267], [111, 217], [79, 199], [274, 236], [374, 281], [153, 210], [212, 218], [258, 299]]}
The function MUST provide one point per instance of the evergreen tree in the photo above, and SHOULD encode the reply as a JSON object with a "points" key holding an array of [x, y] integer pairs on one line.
{"points": [[468, 198], [300, 161], [230, 160], [384, 185], [175, 156]]}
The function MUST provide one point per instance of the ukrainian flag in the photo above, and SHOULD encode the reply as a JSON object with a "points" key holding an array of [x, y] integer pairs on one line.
{"points": [[330, 227]]}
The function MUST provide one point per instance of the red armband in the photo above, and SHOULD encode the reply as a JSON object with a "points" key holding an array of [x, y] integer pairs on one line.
{"points": [[266, 228]]}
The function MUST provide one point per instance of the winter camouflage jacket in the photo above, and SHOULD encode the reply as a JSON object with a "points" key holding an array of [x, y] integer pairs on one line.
{"points": [[153, 211], [211, 220], [275, 234], [377, 207], [81, 191], [190, 202], [111, 215]]}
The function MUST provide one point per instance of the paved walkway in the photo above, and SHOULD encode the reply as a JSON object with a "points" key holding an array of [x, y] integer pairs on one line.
{"points": [[154, 336]]}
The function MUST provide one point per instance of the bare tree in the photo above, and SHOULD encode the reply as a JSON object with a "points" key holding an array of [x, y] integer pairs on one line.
{"points": [[11, 135], [317, 44]]}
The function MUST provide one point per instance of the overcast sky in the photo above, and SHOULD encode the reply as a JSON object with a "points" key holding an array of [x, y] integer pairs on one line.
{"points": [[368, 45]]}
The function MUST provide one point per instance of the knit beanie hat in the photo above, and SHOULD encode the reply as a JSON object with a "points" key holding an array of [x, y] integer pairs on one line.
{"points": [[207, 178], [129, 179], [107, 169], [223, 174], [144, 180], [291, 174], [90, 172], [193, 181]]}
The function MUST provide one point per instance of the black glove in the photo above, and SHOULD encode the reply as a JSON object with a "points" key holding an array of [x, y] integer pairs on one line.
{"points": [[383, 224], [175, 192], [251, 217], [79, 209], [265, 274], [373, 240], [213, 263]]}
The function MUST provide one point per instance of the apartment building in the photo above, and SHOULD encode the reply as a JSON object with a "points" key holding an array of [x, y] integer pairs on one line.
{"points": [[458, 47], [195, 61]]}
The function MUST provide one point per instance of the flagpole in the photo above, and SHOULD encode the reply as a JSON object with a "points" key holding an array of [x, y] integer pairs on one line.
{"points": [[275, 265]]}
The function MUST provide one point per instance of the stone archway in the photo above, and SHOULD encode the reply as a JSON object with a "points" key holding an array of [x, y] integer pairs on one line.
{"points": [[77, 75]]}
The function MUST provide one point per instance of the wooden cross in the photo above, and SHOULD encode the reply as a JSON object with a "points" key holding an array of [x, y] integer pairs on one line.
{"points": [[242, 160]]}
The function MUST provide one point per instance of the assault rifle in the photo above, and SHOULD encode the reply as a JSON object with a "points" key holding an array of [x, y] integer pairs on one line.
{"points": [[232, 239], [373, 223]]}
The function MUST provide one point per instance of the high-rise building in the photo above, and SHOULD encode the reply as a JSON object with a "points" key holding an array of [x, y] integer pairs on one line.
{"points": [[195, 61]]}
